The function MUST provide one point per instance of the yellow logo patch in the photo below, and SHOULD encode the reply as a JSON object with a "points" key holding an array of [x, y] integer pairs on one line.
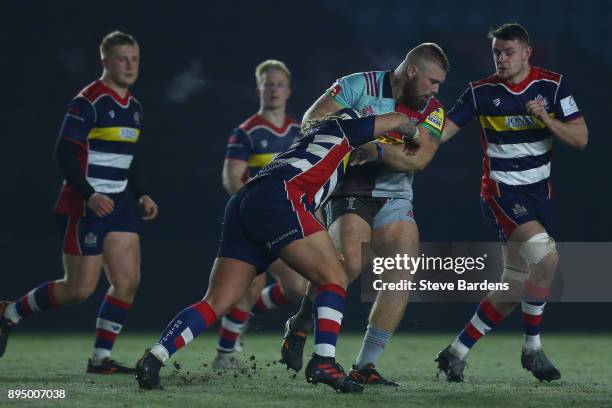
{"points": [[436, 119]]}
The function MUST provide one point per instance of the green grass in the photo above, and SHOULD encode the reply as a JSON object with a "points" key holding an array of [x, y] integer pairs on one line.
{"points": [[54, 361]]}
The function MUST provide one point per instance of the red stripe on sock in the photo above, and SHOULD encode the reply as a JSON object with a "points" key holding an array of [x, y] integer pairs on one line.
{"points": [[532, 319], [332, 287], [207, 313], [179, 342], [25, 306], [106, 335], [534, 292], [228, 334], [489, 310], [239, 316], [326, 325], [51, 295], [117, 302], [473, 332], [277, 295], [259, 305]]}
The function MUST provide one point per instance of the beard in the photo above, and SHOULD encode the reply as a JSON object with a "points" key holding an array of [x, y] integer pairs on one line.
{"points": [[411, 98]]}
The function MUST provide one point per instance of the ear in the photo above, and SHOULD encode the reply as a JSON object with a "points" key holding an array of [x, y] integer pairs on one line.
{"points": [[258, 92], [411, 71], [528, 52], [289, 93]]}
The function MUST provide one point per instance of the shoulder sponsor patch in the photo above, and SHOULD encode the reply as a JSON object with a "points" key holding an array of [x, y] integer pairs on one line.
{"points": [[568, 105], [435, 119]]}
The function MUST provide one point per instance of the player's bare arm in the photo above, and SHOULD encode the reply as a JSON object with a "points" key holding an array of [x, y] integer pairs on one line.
{"points": [[450, 130], [395, 158], [573, 133], [322, 106], [233, 175]]}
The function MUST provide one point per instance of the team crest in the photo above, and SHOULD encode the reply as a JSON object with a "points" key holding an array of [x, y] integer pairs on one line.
{"points": [[90, 239], [111, 113], [542, 99], [519, 210]]}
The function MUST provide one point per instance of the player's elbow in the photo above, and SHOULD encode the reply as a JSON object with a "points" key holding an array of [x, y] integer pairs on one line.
{"points": [[582, 142]]}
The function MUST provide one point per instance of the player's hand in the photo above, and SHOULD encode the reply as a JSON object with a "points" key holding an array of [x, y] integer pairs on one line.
{"points": [[363, 154], [149, 207], [536, 108], [101, 205]]}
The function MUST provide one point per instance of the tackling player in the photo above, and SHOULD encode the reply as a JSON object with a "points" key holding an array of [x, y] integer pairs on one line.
{"points": [[521, 109], [251, 146], [272, 216], [374, 204], [99, 227]]}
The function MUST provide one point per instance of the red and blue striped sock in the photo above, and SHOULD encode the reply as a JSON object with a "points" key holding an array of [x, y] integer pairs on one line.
{"points": [[328, 310], [483, 321], [271, 297], [36, 300], [231, 327], [111, 315], [532, 319], [186, 326]]}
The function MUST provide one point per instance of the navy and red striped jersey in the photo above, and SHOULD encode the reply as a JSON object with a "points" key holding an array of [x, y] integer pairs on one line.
{"points": [[316, 163], [106, 126], [516, 146], [257, 141]]}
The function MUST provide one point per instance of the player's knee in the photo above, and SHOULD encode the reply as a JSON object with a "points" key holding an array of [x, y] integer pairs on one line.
{"points": [[540, 247], [78, 294], [127, 284], [295, 289]]}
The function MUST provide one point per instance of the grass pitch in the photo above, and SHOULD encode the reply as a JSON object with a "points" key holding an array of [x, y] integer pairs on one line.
{"points": [[494, 374]]}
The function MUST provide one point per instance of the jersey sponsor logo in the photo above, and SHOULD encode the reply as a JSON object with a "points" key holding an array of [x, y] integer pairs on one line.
{"points": [[335, 89], [514, 122], [128, 133], [568, 105], [275, 241], [435, 119]]}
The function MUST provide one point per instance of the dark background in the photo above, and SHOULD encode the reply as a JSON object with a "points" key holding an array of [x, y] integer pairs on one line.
{"points": [[197, 82]]}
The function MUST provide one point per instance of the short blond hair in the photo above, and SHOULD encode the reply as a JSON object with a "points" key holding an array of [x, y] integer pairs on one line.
{"points": [[115, 39], [268, 65]]}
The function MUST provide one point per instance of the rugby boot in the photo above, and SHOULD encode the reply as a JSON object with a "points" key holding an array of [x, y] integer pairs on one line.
{"points": [[369, 376], [539, 365], [292, 350], [325, 370], [108, 366], [147, 372], [451, 365]]}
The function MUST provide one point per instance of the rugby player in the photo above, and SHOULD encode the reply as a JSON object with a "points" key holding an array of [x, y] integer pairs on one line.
{"points": [[272, 216], [97, 222], [521, 109], [251, 146], [374, 203]]}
